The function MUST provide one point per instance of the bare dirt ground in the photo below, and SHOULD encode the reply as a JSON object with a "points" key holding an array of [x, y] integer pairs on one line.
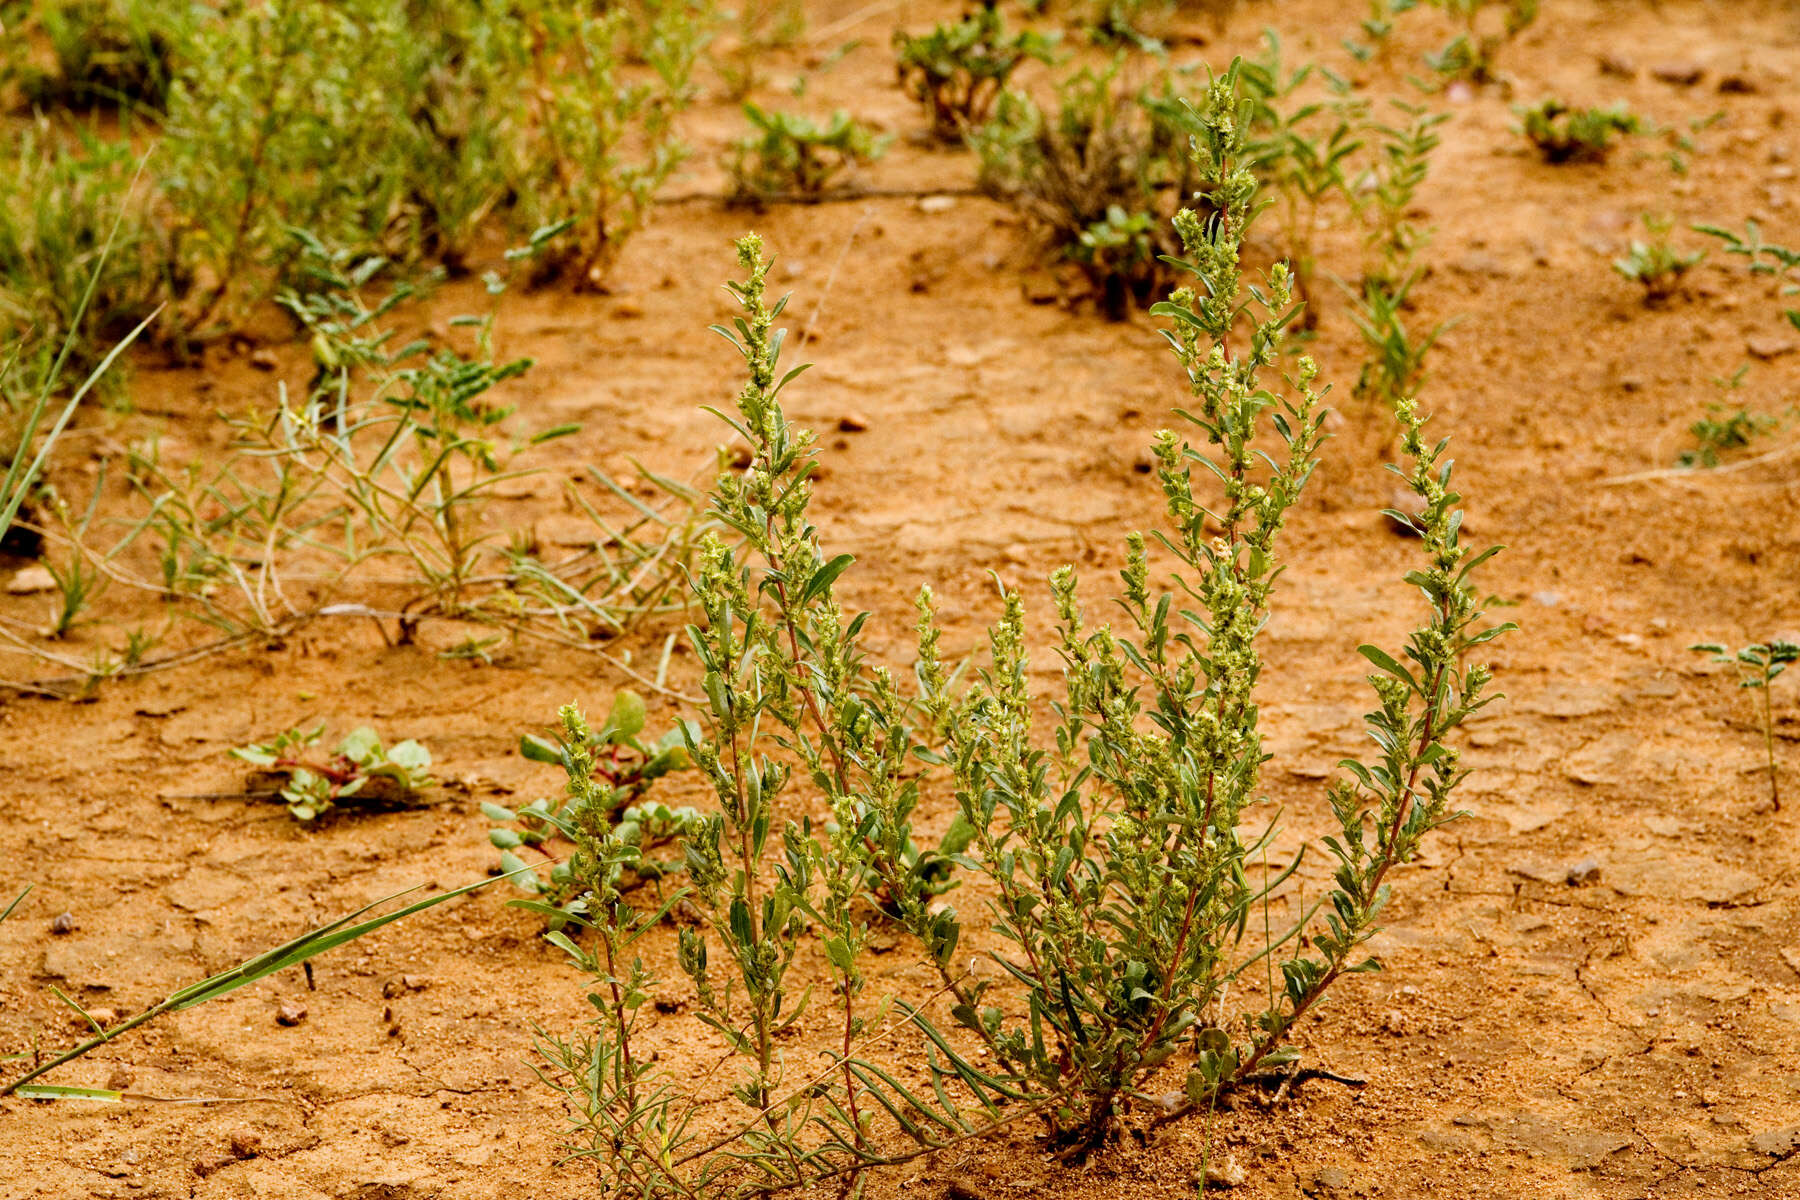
{"points": [[1637, 1036]]}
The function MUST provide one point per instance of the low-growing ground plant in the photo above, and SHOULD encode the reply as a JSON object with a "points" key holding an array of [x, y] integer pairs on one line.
{"points": [[1727, 425], [609, 770], [958, 70], [359, 770], [1128, 908], [1100, 175], [1563, 133], [1779, 263], [789, 155], [1378, 27], [1758, 666], [1395, 369], [1655, 264]]}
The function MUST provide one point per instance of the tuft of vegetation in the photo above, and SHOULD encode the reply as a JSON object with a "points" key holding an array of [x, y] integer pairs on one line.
{"points": [[609, 770], [1130, 915], [1655, 264], [1758, 666], [358, 768], [1564, 134], [1473, 53], [1779, 263], [103, 53], [957, 71], [790, 156]]}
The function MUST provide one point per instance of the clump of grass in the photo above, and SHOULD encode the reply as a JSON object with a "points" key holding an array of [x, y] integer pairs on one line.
{"points": [[111, 53], [1563, 133]]}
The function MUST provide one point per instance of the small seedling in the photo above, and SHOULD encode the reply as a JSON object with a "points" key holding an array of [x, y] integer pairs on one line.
{"points": [[791, 155], [1758, 666], [609, 770], [360, 767], [1726, 426], [1655, 264], [1378, 26], [1471, 53], [1765, 258], [958, 71], [1565, 134]]}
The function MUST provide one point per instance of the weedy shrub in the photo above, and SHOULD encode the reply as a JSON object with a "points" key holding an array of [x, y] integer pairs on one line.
{"points": [[359, 768], [1099, 175], [1472, 53], [790, 155], [116, 53], [1121, 884], [1779, 263], [957, 71], [1655, 264], [1564, 134], [1758, 666], [608, 771]]}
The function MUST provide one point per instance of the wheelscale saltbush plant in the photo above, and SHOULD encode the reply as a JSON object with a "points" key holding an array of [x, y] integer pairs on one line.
{"points": [[1656, 265], [1118, 883], [790, 155], [359, 767]]}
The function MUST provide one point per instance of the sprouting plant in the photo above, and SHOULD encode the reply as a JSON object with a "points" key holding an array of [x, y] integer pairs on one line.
{"points": [[1395, 370], [1725, 428], [788, 154], [1563, 134], [1765, 258], [608, 771], [78, 578], [1378, 26], [1758, 665], [359, 766], [1655, 264], [958, 70], [1389, 188], [1118, 877], [1471, 54], [761, 26]]}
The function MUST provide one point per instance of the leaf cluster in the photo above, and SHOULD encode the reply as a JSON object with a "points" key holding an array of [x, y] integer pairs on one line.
{"points": [[358, 765], [787, 154], [957, 71]]}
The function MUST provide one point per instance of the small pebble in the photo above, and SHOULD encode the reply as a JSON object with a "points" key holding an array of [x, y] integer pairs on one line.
{"points": [[290, 1014], [1584, 873], [264, 360], [852, 422], [34, 578], [1681, 74], [62, 923]]}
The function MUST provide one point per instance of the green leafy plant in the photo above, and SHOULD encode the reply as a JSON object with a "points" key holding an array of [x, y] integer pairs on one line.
{"points": [[1779, 263], [1118, 880], [608, 771], [1395, 369], [790, 155], [359, 767], [1758, 666], [1565, 134], [1388, 190], [1099, 176], [1473, 52], [1656, 265], [761, 26], [957, 71], [119, 53], [1378, 27], [74, 234]]}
